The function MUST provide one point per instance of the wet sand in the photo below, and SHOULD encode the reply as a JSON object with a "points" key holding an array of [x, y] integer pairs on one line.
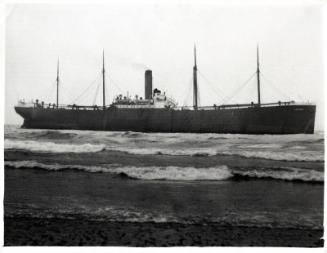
{"points": [[50, 232]]}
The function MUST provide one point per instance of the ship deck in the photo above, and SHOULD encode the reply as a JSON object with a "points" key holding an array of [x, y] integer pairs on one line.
{"points": [[135, 106]]}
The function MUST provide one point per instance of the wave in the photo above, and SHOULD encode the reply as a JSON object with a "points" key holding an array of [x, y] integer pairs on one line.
{"points": [[284, 173], [278, 154], [300, 156], [54, 166], [316, 141], [78, 212], [51, 147], [144, 173], [178, 173], [14, 132], [175, 173], [282, 219], [57, 135], [303, 156], [287, 147], [37, 133]]}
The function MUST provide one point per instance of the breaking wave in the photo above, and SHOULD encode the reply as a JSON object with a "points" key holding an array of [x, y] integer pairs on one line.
{"points": [[288, 148], [178, 173], [144, 173], [298, 154], [284, 173], [305, 156], [175, 173], [51, 147]]}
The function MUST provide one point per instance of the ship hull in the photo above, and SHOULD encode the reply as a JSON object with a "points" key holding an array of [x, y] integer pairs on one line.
{"points": [[288, 119]]}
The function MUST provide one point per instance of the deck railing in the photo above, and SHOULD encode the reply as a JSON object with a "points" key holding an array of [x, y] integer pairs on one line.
{"points": [[237, 106], [95, 107]]}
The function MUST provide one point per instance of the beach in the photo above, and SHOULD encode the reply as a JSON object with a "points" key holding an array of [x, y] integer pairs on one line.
{"points": [[56, 232], [79, 188]]}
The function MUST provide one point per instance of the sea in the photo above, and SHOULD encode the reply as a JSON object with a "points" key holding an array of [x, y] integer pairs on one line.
{"points": [[273, 181]]}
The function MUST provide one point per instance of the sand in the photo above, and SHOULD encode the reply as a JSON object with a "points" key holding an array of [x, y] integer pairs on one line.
{"points": [[63, 232]]}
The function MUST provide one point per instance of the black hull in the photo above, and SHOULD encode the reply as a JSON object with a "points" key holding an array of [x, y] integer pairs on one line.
{"points": [[287, 119]]}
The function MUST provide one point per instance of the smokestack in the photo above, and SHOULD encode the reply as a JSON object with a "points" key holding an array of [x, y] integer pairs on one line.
{"points": [[148, 84]]}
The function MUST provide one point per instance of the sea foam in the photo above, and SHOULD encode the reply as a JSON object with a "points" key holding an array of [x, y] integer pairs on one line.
{"points": [[280, 147], [175, 173], [281, 155], [51, 147], [285, 173], [145, 173], [253, 218], [306, 156]]}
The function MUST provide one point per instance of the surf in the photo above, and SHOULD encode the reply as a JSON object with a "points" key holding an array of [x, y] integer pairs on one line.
{"points": [[176, 173]]}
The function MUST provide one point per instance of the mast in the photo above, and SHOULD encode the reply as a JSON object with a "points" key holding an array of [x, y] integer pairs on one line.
{"points": [[195, 82], [258, 76], [57, 83], [103, 82]]}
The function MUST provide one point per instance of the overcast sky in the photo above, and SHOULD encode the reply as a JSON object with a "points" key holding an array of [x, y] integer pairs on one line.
{"points": [[161, 37]]}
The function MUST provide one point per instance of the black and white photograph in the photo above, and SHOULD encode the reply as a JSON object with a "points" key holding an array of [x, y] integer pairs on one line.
{"points": [[164, 124]]}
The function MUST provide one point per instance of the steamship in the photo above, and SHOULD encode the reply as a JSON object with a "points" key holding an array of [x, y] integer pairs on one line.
{"points": [[158, 113]]}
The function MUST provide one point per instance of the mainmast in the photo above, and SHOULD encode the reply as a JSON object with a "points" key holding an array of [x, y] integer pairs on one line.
{"points": [[104, 82], [258, 76], [57, 83], [195, 82]]}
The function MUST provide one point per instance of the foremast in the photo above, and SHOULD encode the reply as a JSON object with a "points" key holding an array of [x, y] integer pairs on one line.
{"points": [[195, 82], [258, 77], [103, 83], [57, 80]]}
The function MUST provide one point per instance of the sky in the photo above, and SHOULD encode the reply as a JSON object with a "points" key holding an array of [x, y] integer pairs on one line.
{"points": [[161, 37]]}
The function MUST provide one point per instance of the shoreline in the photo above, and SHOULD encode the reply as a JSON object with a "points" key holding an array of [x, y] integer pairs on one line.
{"points": [[215, 197], [65, 232]]}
